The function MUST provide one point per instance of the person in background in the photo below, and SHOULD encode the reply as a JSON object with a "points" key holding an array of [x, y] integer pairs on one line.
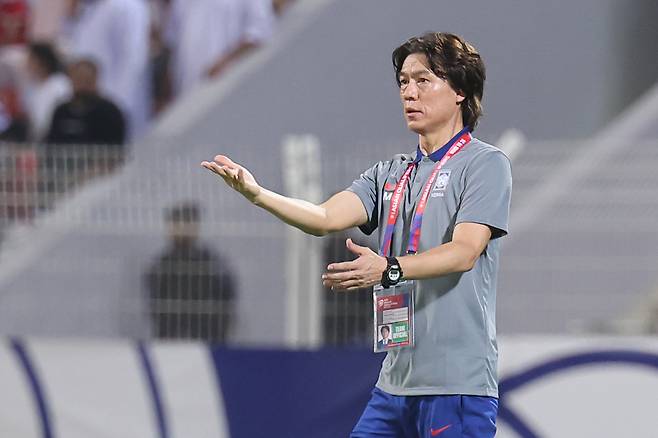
{"points": [[13, 123], [159, 57], [115, 33], [206, 36], [14, 19], [88, 117], [46, 18], [46, 88], [191, 290]]}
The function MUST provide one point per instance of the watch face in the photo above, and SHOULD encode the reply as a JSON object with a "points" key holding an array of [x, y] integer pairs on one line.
{"points": [[393, 275]]}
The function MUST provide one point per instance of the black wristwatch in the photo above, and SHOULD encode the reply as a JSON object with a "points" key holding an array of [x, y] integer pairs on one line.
{"points": [[392, 275]]}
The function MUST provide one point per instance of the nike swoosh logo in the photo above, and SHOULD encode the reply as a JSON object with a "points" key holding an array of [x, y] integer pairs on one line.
{"points": [[436, 432]]}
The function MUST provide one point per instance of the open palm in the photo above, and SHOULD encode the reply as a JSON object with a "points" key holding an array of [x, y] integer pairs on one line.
{"points": [[235, 176]]}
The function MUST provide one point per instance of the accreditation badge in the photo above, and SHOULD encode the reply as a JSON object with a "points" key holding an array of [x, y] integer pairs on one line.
{"points": [[393, 316]]}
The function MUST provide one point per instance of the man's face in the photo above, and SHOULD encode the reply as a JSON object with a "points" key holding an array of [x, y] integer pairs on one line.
{"points": [[83, 78], [428, 101], [183, 233], [385, 333]]}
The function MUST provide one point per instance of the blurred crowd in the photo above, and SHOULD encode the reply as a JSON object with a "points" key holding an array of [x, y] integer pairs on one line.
{"points": [[98, 71], [81, 78]]}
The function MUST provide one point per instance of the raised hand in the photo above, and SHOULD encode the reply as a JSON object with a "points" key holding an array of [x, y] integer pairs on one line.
{"points": [[235, 176], [365, 271]]}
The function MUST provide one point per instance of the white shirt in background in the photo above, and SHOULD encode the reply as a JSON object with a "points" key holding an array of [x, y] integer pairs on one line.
{"points": [[115, 33], [202, 31], [41, 99]]}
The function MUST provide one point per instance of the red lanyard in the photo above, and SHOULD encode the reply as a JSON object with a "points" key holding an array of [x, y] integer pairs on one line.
{"points": [[398, 194]]}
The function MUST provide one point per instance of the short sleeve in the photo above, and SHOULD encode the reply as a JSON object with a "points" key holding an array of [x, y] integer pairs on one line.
{"points": [[259, 21], [365, 187], [487, 192]]}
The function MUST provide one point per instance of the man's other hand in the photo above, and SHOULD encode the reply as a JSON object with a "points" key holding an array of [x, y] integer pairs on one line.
{"points": [[363, 272]]}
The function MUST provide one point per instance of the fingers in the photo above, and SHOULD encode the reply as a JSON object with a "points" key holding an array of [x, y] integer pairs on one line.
{"points": [[223, 160], [349, 285], [346, 280], [234, 175], [224, 172], [213, 168], [339, 276], [335, 279], [343, 266]]}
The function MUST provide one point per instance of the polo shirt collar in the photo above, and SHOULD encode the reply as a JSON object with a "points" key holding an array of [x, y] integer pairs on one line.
{"points": [[439, 153]]}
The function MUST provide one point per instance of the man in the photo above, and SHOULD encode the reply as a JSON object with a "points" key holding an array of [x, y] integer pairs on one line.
{"points": [[191, 291], [115, 34], [47, 87], [206, 36], [86, 134], [444, 232], [88, 118], [384, 331]]}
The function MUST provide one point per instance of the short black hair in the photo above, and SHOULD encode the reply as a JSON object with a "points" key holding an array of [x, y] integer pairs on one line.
{"points": [[89, 63], [453, 59], [185, 212], [381, 330]]}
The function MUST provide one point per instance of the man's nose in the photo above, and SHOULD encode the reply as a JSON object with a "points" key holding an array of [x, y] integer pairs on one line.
{"points": [[410, 92]]}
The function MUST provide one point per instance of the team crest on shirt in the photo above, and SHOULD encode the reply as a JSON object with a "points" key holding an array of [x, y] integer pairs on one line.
{"points": [[441, 183]]}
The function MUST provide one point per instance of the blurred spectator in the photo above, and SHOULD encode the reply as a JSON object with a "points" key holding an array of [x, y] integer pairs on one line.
{"points": [[160, 57], [13, 124], [46, 88], [347, 315], [115, 33], [190, 288], [46, 17], [88, 118], [208, 35], [13, 36], [14, 15]]}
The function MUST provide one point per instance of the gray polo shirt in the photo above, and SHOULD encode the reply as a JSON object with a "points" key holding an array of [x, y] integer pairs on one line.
{"points": [[455, 320]]}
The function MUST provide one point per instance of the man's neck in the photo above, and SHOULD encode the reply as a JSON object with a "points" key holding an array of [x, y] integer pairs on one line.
{"points": [[434, 141]]}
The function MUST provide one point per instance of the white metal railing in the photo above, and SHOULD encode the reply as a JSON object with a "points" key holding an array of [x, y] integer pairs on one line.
{"points": [[84, 226]]}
